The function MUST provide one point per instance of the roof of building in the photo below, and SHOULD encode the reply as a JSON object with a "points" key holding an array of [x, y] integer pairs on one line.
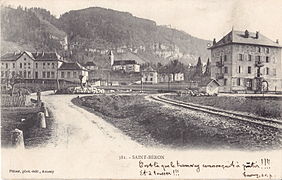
{"points": [[11, 56], [72, 66], [46, 56], [37, 56], [124, 62], [206, 82], [245, 37], [89, 63], [129, 55]]}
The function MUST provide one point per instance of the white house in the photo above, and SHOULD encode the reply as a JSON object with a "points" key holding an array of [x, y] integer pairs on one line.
{"points": [[149, 76], [73, 71], [126, 65]]}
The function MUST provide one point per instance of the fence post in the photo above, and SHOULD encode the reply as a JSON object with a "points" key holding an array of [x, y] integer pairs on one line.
{"points": [[44, 108], [38, 97], [41, 120], [17, 138]]}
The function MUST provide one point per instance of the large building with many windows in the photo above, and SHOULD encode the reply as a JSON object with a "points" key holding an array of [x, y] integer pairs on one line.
{"points": [[246, 61], [27, 65]]}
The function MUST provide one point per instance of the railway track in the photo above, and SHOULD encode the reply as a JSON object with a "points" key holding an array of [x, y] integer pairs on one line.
{"points": [[220, 112]]}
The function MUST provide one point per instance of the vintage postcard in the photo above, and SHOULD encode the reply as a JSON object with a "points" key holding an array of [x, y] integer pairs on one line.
{"points": [[139, 89]]}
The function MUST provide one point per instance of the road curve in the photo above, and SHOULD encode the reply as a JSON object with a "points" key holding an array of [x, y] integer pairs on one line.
{"points": [[76, 126]]}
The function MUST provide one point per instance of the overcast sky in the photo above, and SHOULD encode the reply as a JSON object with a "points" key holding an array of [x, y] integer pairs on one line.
{"points": [[201, 18]]}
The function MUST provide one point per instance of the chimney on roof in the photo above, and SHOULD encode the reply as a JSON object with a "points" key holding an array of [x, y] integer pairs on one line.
{"points": [[247, 34], [214, 41], [277, 41], [257, 35]]}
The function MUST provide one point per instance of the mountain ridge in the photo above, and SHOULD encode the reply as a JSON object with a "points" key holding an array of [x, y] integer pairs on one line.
{"points": [[103, 28]]}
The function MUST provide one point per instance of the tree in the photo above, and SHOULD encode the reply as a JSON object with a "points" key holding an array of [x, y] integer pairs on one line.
{"points": [[199, 68], [208, 69], [11, 80]]}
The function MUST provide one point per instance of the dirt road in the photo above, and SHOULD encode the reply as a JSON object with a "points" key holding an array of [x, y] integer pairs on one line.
{"points": [[78, 126]]}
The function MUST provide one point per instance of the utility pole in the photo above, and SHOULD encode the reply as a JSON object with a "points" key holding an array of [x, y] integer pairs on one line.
{"points": [[141, 82]]}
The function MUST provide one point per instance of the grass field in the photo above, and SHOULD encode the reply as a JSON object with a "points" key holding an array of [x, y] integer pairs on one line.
{"points": [[33, 136], [262, 107], [152, 124]]}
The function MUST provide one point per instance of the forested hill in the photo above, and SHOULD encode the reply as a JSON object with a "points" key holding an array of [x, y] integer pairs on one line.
{"points": [[100, 28]]}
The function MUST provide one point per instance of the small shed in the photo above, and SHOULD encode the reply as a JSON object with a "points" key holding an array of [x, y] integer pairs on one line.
{"points": [[209, 86]]}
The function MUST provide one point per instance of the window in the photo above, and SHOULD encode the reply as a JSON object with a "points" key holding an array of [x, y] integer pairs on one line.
{"points": [[274, 72], [44, 74], [259, 49], [13, 73], [249, 57], [267, 50], [21, 65], [151, 79], [28, 65], [36, 75], [74, 74], [224, 82], [68, 75], [24, 58], [220, 58], [225, 57], [2, 73], [225, 69], [36, 65], [52, 74], [239, 69], [240, 57], [43, 65], [257, 58], [7, 65], [24, 74], [53, 65], [62, 74], [48, 74], [238, 81], [24, 65], [267, 71], [20, 73], [14, 65], [267, 59], [48, 65], [29, 74], [249, 69]]}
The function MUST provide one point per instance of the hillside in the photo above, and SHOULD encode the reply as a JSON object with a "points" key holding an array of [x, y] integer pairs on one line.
{"points": [[23, 27], [92, 29]]}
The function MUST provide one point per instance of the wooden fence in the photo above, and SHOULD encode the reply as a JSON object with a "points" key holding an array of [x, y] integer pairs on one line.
{"points": [[13, 101]]}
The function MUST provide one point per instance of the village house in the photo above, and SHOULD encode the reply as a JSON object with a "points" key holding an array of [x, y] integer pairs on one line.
{"points": [[209, 86], [73, 71], [125, 65], [241, 61], [27, 65], [171, 77], [92, 68], [90, 65], [149, 76]]}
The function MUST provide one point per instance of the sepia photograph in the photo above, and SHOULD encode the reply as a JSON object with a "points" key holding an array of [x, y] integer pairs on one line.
{"points": [[139, 89]]}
